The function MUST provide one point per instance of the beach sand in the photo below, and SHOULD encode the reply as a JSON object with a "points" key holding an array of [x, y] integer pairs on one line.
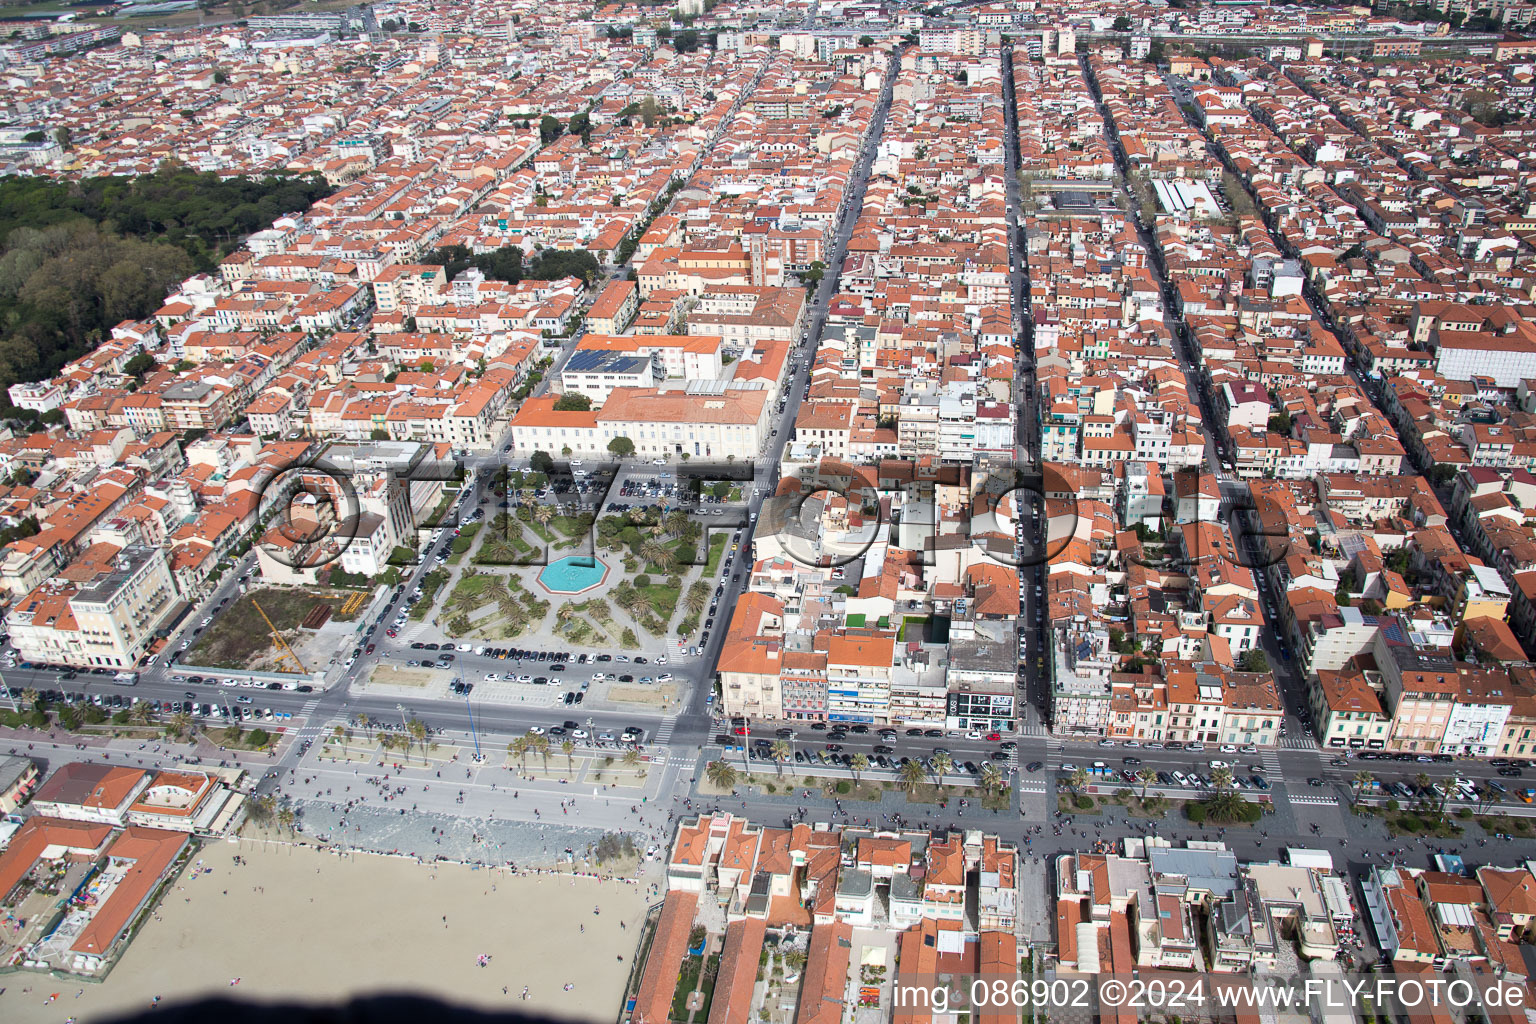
{"points": [[326, 929]]}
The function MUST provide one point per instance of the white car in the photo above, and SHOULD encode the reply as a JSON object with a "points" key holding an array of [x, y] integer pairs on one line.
{"points": [[230, 682], [579, 734], [525, 679], [537, 730]]}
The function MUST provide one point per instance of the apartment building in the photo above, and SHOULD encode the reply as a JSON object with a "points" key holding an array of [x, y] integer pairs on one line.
{"points": [[101, 611]]}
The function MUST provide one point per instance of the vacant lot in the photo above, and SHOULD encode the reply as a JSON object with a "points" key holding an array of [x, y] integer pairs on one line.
{"points": [[240, 638]]}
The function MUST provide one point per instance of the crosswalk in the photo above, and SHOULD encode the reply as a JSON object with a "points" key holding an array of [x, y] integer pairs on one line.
{"points": [[1301, 742], [1270, 758], [1034, 730], [1030, 786], [312, 726], [1319, 801], [664, 734]]}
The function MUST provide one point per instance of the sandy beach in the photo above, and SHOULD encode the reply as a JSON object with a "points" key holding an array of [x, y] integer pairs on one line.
{"points": [[296, 924]]}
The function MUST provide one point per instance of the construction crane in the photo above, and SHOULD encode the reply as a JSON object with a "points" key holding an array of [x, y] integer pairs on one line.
{"points": [[279, 638]]}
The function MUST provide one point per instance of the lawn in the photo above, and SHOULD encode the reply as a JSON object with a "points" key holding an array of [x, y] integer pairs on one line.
{"points": [[716, 550], [572, 526], [504, 544], [442, 508], [687, 981], [239, 634], [1504, 824], [707, 987], [662, 598], [429, 587], [463, 542]]}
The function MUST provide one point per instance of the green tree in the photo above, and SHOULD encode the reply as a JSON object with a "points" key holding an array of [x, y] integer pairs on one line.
{"points": [[990, 777], [549, 129], [782, 752], [1078, 780], [912, 775], [860, 765], [722, 775], [1122, 24], [866, 40], [542, 462], [943, 764], [621, 447], [573, 401], [1255, 661]]}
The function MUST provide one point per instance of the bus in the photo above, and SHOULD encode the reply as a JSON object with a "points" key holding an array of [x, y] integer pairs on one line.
{"points": [[126, 679]]}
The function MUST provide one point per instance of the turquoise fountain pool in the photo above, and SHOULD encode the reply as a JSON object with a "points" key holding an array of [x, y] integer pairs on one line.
{"points": [[573, 574]]}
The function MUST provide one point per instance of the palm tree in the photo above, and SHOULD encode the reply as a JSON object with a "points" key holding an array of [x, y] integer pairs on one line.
{"points": [[1221, 779], [912, 775], [180, 724], [991, 778], [518, 748], [29, 698], [676, 520], [341, 737], [1362, 779], [658, 554], [542, 514], [631, 758], [541, 747], [366, 724], [1488, 797], [139, 713], [1146, 777], [286, 818], [942, 765], [1078, 780], [721, 774], [782, 752], [417, 729], [262, 809], [567, 748], [859, 764], [697, 600], [1422, 782]]}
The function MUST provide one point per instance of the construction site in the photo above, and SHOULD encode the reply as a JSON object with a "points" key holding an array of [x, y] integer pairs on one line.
{"points": [[293, 630]]}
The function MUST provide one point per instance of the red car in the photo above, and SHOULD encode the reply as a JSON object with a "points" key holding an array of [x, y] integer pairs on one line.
{"points": [[993, 737], [368, 649], [741, 730]]}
